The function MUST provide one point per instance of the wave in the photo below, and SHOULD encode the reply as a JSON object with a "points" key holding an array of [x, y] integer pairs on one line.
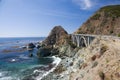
{"points": [[35, 72], [3, 76], [56, 61]]}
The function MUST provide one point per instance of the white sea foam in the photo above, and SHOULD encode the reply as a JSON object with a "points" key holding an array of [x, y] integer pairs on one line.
{"points": [[6, 78], [56, 61], [13, 60]]}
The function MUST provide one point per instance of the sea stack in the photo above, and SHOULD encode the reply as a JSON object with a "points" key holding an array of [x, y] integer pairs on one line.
{"points": [[57, 37]]}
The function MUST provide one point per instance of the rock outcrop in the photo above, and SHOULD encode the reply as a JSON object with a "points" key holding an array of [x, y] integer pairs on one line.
{"points": [[30, 46], [105, 21], [56, 37]]}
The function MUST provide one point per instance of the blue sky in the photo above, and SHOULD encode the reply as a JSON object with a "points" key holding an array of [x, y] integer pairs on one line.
{"points": [[35, 18]]}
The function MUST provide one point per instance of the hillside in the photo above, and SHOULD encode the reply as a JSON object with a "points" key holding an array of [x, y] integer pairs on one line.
{"points": [[105, 21]]}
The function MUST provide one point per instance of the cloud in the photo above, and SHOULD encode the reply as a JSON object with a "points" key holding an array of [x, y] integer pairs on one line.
{"points": [[84, 4]]}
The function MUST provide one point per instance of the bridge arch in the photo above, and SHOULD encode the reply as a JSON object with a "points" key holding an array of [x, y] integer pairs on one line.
{"points": [[82, 40]]}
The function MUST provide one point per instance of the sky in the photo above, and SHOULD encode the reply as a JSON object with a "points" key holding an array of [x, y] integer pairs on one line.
{"points": [[36, 18]]}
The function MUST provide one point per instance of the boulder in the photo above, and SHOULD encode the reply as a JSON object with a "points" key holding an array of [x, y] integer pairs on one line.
{"points": [[31, 46], [30, 55], [44, 52]]}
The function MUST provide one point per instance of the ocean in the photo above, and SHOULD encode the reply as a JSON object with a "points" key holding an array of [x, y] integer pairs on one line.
{"points": [[15, 64]]}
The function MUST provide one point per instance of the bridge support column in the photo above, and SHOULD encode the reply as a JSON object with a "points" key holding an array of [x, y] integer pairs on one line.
{"points": [[78, 41], [88, 40], [73, 39]]}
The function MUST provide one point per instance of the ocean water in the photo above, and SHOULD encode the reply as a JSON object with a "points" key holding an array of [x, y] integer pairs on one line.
{"points": [[15, 64]]}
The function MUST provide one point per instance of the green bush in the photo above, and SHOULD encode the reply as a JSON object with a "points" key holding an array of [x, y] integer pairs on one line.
{"points": [[96, 16], [111, 11], [94, 64], [103, 49], [111, 31], [101, 75], [118, 35]]}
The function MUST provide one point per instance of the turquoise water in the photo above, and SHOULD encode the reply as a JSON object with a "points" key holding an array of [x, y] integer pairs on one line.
{"points": [[16, 65]]}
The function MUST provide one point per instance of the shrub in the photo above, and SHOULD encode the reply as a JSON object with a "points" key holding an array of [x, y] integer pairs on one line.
{"points": [[103, 49], [59, 69], [83, 65], [111, 31], [119, 35], [94, 64], [101, 75], [112, 11], [93, 57], [96, 16]]}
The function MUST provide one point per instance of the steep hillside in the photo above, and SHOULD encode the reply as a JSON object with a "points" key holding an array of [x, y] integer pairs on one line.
{"points": [[101, 61], [105, 21]]}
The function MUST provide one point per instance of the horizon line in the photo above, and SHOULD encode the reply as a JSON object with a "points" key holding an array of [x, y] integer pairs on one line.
{"points": [[23, 36]]}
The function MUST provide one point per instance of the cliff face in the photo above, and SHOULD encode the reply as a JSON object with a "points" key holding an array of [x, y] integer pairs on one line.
{"points": [[57, 36], [105, 21]]}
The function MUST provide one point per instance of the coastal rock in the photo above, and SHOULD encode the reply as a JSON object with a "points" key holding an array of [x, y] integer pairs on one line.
{"points": [[44, 52], [56, 37], [31, 46], [38, 46], [30, 55], [50, 46]]}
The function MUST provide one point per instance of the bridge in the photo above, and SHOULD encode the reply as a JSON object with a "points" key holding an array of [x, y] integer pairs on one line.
{"points": [[82, 40]]}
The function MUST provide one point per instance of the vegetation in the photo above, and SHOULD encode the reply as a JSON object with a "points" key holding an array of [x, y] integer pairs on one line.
{"points": [[119, 35], [101, 75], [59, 69], [103, 22], [111, 31], [94, 64], [103, 49], [93, 57], [96, 16], [83, 65], [111, 11]]}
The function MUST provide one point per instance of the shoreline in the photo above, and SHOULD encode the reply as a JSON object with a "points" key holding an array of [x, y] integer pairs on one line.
{"points": [[56, 61]]}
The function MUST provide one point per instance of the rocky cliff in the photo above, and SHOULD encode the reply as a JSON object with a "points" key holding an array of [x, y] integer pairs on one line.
{"points": [[57, 37], [105, 21]]}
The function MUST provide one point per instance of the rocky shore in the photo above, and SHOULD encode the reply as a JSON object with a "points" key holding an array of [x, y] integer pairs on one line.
{"points": [[99, 61]]}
